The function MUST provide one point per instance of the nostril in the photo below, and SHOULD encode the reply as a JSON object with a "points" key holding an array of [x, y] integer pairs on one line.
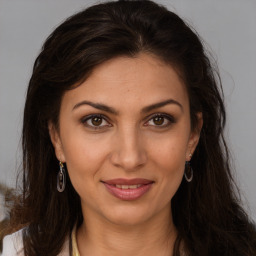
{"points": [[128, 160]]}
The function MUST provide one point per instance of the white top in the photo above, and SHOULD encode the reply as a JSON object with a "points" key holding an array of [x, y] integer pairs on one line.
{"points": [[13, 245]]}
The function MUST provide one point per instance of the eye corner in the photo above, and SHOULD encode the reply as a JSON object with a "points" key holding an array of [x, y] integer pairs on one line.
{"points": [[166, 120], [87, 121]]}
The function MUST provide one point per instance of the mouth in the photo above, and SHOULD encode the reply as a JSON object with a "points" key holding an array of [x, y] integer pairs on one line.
{"points": [[128, 186], [128, 190]]}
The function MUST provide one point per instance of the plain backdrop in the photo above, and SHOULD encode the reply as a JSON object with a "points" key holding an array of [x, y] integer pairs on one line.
{"points": [[228, 28]]}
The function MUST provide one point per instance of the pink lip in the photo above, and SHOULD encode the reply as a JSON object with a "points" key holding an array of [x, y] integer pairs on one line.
{"points": [[128, 194], [128, 181]]}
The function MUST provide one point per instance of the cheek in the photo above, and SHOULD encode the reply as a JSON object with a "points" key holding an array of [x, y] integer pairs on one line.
{"points": [[170, 164], [170, 150], [170, 160], [168, 156], [84, 158]]}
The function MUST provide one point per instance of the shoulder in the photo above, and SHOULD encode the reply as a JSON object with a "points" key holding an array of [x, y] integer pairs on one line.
{"points": [[13, 244]]}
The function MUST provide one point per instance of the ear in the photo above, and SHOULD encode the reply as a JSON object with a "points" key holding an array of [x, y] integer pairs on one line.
{"points": [[56, 142], [194, 136]]}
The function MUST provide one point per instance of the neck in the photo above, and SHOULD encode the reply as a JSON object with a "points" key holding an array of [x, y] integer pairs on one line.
{"points": [[156, 236]]}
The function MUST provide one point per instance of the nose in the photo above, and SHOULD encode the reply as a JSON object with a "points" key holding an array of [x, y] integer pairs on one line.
{"points": [[129, 151]]}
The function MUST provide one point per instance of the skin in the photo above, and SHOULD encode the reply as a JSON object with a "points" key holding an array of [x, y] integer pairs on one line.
{"points": [[127, 144]]}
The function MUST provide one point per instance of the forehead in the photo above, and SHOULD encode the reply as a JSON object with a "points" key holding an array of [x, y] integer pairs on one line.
{"points": [[139, 80]]}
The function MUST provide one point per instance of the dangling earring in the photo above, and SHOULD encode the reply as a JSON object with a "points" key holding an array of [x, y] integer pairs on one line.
{"points": [[61, 178], [188, 170]]}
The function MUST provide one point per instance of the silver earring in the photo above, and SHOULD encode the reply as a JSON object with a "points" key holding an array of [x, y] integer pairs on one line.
{"points": [[188, 172], [61, 178]]}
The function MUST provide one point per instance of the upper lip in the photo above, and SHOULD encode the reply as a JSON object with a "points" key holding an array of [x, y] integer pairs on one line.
{"points": [[121, 181]]}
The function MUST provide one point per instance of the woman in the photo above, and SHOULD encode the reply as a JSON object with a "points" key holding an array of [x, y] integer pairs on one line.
{"points": [[123, 143]]}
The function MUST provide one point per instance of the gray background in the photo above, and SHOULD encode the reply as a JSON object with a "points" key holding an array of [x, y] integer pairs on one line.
{"points": [[228, 27]]}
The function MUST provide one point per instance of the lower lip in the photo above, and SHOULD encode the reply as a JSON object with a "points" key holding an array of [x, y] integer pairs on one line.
{"points": [[128, 194]]}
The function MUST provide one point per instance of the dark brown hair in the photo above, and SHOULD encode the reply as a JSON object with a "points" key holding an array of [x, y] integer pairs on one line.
{"points": [[206, 211]]}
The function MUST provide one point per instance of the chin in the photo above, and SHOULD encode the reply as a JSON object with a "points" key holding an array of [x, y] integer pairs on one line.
{"points": [[128, 216], [127, 221]]}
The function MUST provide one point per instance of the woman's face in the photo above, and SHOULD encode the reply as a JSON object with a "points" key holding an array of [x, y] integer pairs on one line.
{"points": [[125, 135]]}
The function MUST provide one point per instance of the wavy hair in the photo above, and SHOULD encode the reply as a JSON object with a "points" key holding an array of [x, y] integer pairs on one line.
{"points": [[206, 212]]}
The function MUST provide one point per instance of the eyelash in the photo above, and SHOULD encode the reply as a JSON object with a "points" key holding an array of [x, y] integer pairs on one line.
{"points": [[90, 118], [167, 118]]}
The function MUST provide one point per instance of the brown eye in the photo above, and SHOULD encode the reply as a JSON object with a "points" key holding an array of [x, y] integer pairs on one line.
{"points": [[96, 121], [158, 120], [161, 120]]}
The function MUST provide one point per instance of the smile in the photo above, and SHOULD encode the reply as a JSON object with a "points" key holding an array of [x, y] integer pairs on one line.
{"points": [[128, 189], [128, 186]]}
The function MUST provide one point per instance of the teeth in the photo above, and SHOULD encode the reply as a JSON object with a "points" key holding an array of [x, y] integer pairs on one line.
{"points": [[128, 186]]}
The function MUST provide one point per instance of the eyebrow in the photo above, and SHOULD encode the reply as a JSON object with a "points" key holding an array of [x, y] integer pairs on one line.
{"points": [[115, 112], [161, 104], [97, 106]]}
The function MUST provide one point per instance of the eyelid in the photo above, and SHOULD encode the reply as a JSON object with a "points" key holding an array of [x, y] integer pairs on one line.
{"points": [[88, 117], [169, 117]]}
